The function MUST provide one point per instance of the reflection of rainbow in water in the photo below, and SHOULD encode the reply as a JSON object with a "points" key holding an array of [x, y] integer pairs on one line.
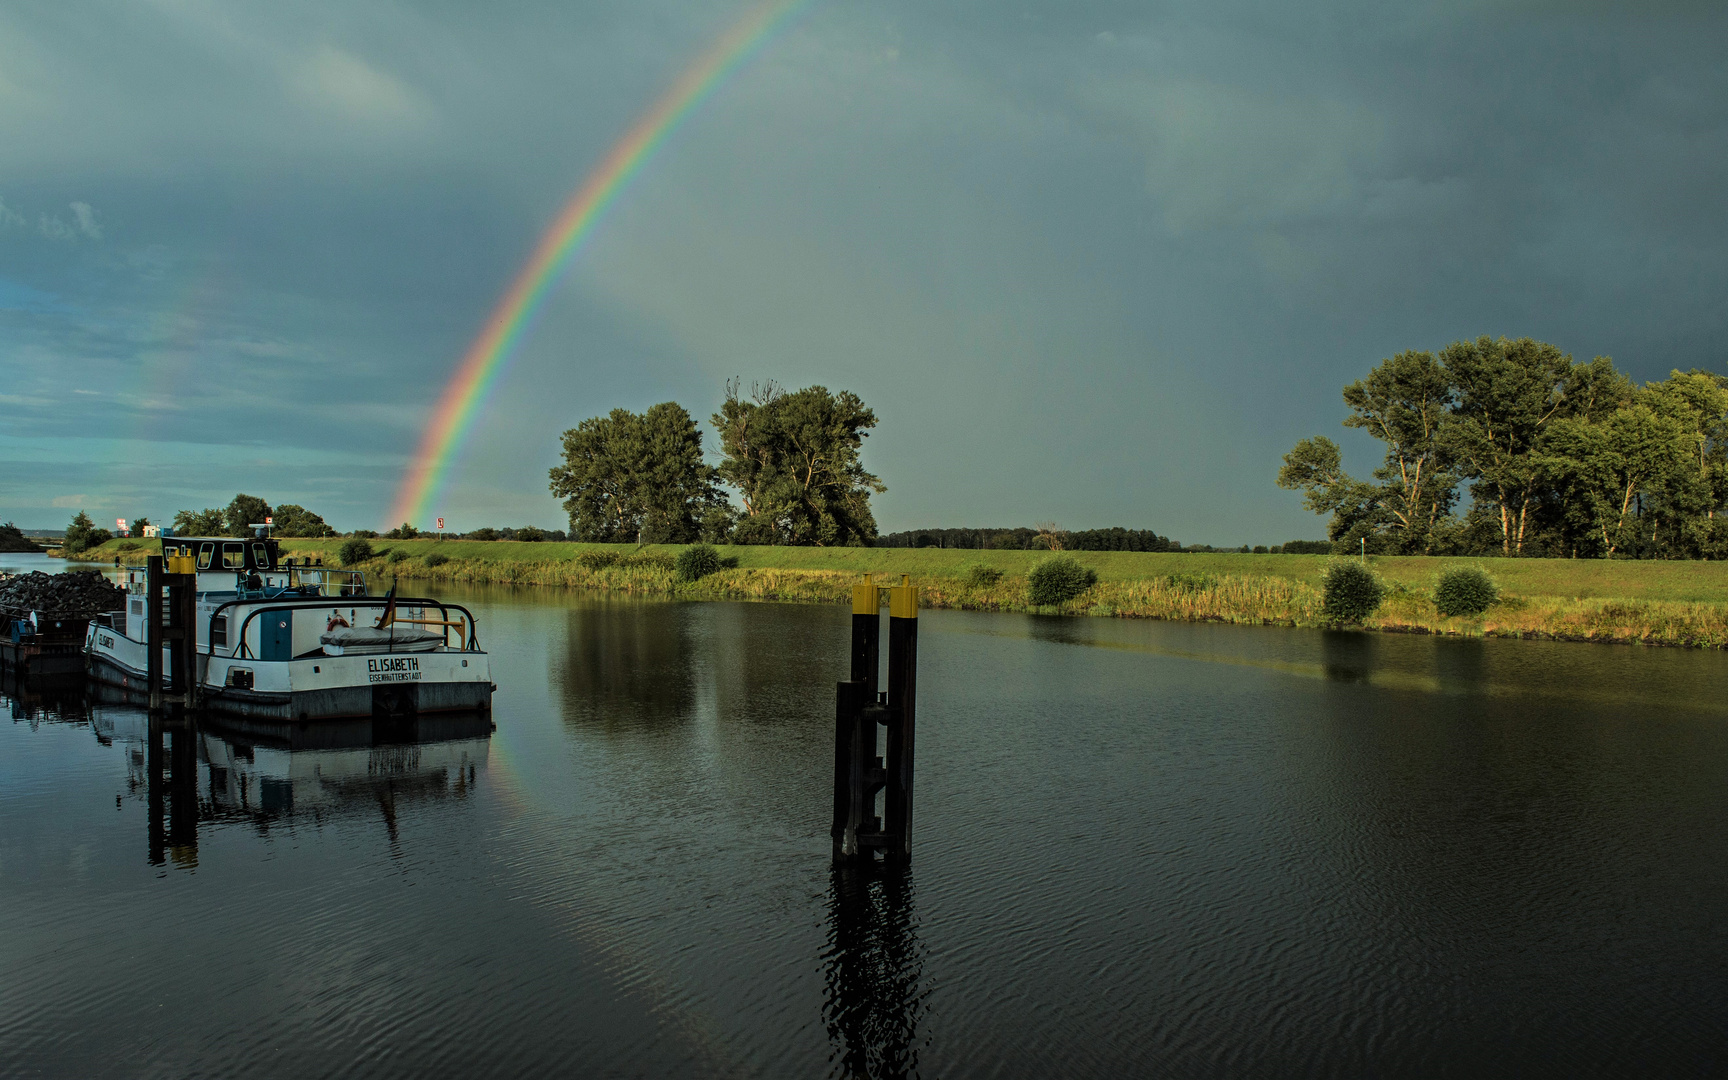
{"points": [[475, 375]]}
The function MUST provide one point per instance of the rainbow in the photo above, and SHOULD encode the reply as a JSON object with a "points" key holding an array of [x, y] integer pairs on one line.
{"points": [[505, 328]]}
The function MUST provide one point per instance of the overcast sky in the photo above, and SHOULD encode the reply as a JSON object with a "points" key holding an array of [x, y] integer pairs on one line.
{"points": [[1101, 263]]}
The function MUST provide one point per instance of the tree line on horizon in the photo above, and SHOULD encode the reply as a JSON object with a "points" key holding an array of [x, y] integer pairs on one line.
{"points": [[1021, 538], [1558, 458]]}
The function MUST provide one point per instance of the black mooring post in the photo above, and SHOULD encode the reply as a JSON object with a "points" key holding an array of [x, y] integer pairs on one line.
{"points": [[866, 635], [859, 773], [848, 714], [183, 648], [851, 699], [902, 709], [153, 630], [863, 825], [173, 683]]}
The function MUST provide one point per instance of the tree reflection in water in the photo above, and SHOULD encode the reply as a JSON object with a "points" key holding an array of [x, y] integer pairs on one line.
{"points": [[874, 963], [1348, 655]]}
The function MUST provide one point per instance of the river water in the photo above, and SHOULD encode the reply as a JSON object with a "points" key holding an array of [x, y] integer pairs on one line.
{"points": [[1143, 849]]}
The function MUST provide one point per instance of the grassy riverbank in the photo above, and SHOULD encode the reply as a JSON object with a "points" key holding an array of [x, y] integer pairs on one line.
{"points": [[1664, 603]]}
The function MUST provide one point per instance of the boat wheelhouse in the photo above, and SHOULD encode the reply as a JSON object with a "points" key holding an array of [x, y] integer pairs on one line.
{"points": [[288, 641]]}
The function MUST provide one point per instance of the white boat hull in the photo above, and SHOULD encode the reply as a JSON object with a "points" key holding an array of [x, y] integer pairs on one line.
{"points": [[312, 688]]}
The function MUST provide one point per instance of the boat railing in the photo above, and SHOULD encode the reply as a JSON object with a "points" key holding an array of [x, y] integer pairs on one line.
{"points": [[468, 636], [345, 583]]}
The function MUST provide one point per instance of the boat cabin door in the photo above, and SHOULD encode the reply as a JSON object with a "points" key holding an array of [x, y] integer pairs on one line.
{"points": [[277, 636]]}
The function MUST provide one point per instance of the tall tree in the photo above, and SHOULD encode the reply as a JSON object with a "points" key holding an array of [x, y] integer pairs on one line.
{"points": [[1508, 393], [82, 534], [1316, 467], [630, 478], [1598, 468], [293, 520], [796, 461], [243, 513], [1405, 403], [1683, 502], [199, 522], [1565, 458], [206, 522]]}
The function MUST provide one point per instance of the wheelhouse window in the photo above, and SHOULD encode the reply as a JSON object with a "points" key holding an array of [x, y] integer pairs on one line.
{"points": [[206, 554], [260, 557], [234, 556]]}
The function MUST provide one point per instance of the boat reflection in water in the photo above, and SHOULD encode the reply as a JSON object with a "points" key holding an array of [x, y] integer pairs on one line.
{"points": [[37, 700], [874, 967], [205, 771], [362, 767]]}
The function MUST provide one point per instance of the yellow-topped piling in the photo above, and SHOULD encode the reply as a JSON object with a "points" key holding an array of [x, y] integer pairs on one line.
{"points": [[866, 598], [903, 599]]}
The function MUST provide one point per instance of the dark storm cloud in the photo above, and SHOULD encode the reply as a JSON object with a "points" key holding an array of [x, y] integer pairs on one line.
{"points": [[1102, 262]]}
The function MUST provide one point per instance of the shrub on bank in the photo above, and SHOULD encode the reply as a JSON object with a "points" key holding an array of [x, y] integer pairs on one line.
{"points": [[437, 558], [354, 551], [596, 559], [1352, 593], [696, 562], [1464, 590], [980, 576], [1058, 580]]}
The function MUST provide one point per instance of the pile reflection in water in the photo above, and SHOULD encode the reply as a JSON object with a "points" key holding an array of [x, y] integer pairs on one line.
{"points": [[874, 966]]}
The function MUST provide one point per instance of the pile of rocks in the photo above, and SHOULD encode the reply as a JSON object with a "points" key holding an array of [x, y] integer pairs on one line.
{"points": [[78, 594]]}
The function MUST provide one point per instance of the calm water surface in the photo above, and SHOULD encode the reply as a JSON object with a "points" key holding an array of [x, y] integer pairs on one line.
{"points": [[1143, 849]]}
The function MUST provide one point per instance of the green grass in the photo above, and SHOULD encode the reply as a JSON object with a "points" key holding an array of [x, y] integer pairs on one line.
{"points": [[1678, 603], [1696, 582]]}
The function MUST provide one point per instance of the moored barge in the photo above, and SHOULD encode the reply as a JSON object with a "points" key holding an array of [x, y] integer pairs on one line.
{"points": [[286, 641]]}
